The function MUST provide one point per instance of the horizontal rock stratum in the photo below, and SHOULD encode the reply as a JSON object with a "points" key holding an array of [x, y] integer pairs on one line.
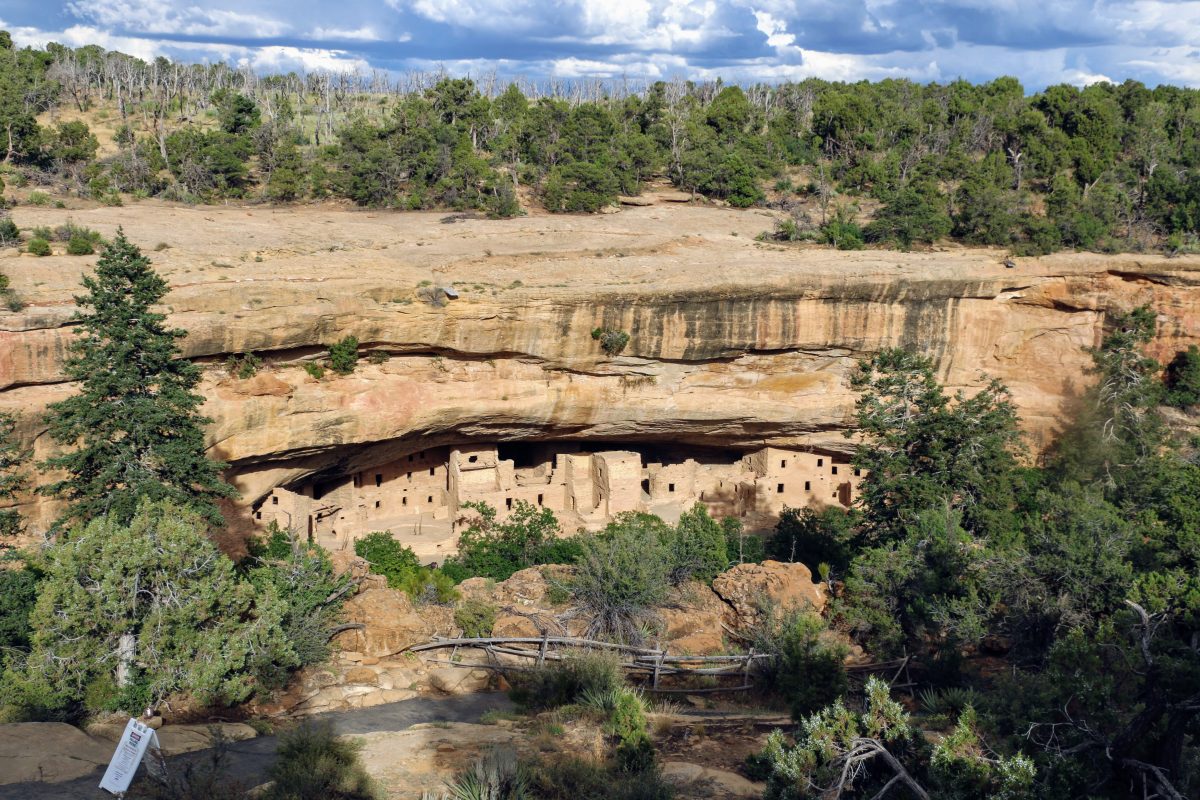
{"points": [[733, 342]]}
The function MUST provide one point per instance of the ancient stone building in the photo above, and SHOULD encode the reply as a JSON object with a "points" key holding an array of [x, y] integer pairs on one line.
{"points": [[418, 497]]}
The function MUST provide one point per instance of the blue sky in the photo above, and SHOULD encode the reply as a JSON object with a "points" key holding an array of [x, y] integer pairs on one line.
{"points": [[1041, 42]]}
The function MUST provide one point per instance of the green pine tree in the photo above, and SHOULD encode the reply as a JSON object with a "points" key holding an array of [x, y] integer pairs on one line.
{"points": [[135, 423], [11, 479]]}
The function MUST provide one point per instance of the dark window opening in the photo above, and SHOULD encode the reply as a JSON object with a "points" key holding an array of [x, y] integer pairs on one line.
{"points": [[429, 499], [646, 485], [858, 473], [258, 515], [377, 504], [378, 479], [431, 469], [508, 503], [274, 500], [409, 476], [783, 463], [779, 489], [835, 470], [473, 459], [820, 462], [808, 486], [403, 501], [539, 499], [670, 487]]}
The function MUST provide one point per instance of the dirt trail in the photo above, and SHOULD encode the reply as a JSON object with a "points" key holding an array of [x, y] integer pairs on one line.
{"points": [[249, 760]]}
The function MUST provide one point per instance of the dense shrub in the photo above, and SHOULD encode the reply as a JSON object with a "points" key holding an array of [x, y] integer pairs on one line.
{"points": [[1183, 378], [696, 547], [18, 594], [343, 355], [807, 672], [193, 626], [10, 234], [558, 683], [38, 247], [622, 576], [814, 538], [611, 341], [491, 549], [243, 366], [314, 763], [399, 564], [476, 618]]}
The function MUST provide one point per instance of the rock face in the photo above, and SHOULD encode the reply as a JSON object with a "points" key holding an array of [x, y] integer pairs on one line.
{"points": [[747, 587], [733, 343], [49, 751], [392, 624]]}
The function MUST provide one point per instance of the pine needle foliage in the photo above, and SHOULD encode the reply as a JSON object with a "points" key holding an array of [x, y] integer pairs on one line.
{"points": [[135, 425]]}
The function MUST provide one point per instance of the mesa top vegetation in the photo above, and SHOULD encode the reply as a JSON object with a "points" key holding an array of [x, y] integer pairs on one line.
{"points": [[1107, 167]]}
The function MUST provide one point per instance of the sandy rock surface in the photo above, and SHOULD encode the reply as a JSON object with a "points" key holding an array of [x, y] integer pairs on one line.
{"points": [[733, 342], [784, 586]]}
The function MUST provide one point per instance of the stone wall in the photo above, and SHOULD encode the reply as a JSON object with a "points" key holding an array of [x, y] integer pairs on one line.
{"points": [[419, 497]]}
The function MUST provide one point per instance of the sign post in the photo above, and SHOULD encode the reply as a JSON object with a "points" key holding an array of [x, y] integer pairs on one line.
{"points": [[131, 749]]}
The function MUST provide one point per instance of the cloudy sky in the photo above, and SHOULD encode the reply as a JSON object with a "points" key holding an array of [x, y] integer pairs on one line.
{"points": [[1040, 41]]}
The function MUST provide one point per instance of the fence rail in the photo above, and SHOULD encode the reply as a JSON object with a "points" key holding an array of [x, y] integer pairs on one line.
{"points": [[652, 662]]}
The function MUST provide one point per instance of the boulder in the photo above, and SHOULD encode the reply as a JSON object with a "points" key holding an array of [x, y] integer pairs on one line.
{"points": [[693, 620], [392, 624], [362, 675], [747, 587], [639, 200], [701, 781], [459, 680], [49, 751], [177, 739]]}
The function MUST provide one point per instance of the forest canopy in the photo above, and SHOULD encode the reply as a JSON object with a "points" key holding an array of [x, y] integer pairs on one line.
{"points": [[892, 163]]}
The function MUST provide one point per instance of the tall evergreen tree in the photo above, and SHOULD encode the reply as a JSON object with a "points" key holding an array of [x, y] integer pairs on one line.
{"points": [[135, 423], [11, 479]]}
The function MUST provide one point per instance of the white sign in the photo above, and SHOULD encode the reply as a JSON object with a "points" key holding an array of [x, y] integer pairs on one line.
{"points": [[136, 739]]}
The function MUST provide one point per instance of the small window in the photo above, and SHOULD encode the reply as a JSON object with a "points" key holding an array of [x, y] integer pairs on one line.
{"points": [[540, 498], [377, 504], [783, 463], [473, 459], [408, 476], [429, 499], [779, 489], [410, 458], [835, 470], [820, 462], [808, 486], [258, 515], [378, 479], [274, 501], [835, 494], [431, 469], [670, 487], [508, 502], [404, 500], [858, 473]]}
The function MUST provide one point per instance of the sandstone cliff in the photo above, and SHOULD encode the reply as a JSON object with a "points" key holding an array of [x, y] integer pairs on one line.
{"points": [[733, 342]]}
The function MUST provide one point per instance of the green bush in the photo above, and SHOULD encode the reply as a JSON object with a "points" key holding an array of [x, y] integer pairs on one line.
{"points": [[18, 594], [476, 618], [343, 355], [622, 576], [585, 673], [491, 549], [1183, 378], [315, 370], [38, 199], [80, 246], [611, 341], [38, 247], [807, 672], [399, 564], [584, 779], [243, 366], [313, 762], [813, 538], [696, 547], [10, 234]]}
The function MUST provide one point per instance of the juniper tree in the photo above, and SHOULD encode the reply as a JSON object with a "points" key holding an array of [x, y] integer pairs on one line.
{"points": [[135, 425]]}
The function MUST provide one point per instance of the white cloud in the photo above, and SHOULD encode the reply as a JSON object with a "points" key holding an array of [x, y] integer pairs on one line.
{"points": [[168, 17], [364, 34]]}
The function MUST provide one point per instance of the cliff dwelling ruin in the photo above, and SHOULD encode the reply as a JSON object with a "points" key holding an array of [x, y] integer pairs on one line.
{"points": [[418, 497]]}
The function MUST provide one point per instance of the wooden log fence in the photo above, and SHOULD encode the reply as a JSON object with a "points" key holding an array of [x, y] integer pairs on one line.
{"points": [[653, 663]]}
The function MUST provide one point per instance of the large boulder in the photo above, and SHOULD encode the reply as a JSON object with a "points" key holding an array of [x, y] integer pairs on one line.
{"points": [[49, 751], [693, 621], [391, 623], [747, 588]]}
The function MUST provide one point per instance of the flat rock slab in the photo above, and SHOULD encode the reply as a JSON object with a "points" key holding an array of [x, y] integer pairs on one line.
{"points": [[49, 751], [717, 783]]}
